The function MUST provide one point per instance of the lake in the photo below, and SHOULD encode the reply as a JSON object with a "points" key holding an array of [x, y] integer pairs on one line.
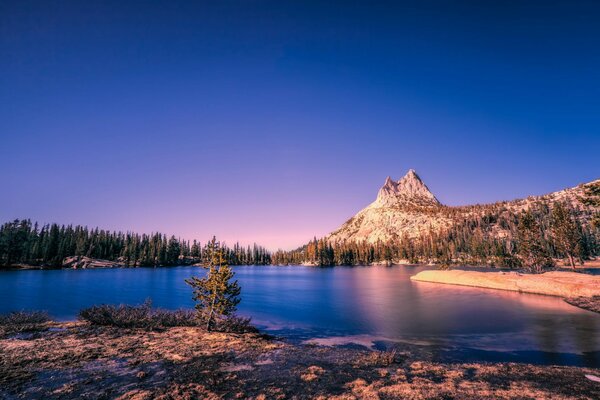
{"points": [[376, 306]]}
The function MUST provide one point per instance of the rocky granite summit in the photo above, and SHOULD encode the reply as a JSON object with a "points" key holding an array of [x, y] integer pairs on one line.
{"points": [[407, 209], [408, 190]]}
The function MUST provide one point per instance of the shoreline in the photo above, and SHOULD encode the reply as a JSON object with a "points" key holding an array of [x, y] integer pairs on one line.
{"points": [[116, 265], [82, 262], [553, 283], [580, 290], [75, 359]]}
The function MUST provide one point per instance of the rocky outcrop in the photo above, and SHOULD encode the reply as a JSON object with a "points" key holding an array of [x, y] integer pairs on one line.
{"points": [[82, 262], [407, 209], [410, 190], [404, 208], [555, 283], [587, 303]]}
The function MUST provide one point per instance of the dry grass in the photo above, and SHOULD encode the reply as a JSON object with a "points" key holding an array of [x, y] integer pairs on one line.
{"points": [[142, 316], [85, 361], [145, 317], [23, 321]]}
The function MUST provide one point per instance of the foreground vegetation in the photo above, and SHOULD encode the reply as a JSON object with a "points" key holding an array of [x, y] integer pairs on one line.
{"points": [[77, 360], [81, 360], [148, 318], [20, 321], [142, 316], [216, 294]]}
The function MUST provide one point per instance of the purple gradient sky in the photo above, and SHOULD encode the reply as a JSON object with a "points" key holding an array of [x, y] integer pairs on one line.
{"points": [[273, 122]]}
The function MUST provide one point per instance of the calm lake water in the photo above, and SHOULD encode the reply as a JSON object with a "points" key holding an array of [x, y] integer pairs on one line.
{"points": [[376, 306]]}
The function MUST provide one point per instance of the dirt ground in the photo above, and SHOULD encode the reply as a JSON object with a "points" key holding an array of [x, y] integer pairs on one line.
{"points": [[74, 360]]}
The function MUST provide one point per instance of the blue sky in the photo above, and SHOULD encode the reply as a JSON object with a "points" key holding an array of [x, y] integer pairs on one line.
{"points": [[275, 121]]}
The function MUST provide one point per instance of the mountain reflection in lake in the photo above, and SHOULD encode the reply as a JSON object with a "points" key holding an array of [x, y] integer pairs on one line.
{"points": [[342, 305]]}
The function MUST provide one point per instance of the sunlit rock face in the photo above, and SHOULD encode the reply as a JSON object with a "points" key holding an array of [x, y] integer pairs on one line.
{"points": [[403, 208], [408, 190], [408, 209]]}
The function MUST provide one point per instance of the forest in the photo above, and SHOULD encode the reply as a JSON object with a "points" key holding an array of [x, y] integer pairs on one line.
{"points": [[493, 234], [24, 243], [485, 234]]}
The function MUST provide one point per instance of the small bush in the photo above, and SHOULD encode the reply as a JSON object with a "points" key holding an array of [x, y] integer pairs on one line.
{"points": [[23, 321], [141, 316], [145, 317], [235, 324], [168, 318]]}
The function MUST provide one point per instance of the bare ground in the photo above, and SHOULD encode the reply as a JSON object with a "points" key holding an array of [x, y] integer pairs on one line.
{"points": [[75, 360]]}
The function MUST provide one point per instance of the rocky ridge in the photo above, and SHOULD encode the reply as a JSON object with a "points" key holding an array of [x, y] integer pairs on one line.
{"points": [[408, 209]]}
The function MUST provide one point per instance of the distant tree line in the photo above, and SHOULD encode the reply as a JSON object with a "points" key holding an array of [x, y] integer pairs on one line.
{"points": [[483, 234], [22, 242], [490, 234]]}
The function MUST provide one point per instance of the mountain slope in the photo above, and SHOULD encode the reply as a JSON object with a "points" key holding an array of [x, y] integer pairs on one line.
{"points": [[408, 209]]}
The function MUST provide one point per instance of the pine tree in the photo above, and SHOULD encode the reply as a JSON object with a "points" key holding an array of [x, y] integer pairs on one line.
{"points": [[215, 295], [173, 251], [592, 198], [532, 250], [566, 234]]}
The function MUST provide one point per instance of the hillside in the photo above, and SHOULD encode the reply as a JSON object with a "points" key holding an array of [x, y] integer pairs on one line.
{"points": [[407, 209]]}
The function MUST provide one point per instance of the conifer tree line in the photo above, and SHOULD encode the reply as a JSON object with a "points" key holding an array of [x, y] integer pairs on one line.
{"points": [[492, 234], [22, 242], [483, 234]]}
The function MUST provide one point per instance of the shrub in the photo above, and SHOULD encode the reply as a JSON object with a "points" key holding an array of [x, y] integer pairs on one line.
{"points": [[140, 316], [23, 321], [181, 317], [145, 317], [235, 324]]}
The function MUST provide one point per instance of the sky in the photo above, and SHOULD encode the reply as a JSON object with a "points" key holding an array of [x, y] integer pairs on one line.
{"points": [[276, 121]]}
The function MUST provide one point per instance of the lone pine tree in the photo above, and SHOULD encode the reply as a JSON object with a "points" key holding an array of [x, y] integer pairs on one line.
{"points": [[216, 296], [532, 250], [566, 233]]}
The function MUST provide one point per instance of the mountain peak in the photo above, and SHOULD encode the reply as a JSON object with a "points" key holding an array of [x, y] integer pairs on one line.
{"points": [[406, 208], [408, 190]]}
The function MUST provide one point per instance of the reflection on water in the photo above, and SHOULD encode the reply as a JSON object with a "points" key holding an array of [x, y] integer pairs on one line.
{"points": [[380, 303]]}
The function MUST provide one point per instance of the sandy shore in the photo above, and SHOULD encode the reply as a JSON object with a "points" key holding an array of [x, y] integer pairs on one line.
{"points": [[75, 360], [555, 283]]}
